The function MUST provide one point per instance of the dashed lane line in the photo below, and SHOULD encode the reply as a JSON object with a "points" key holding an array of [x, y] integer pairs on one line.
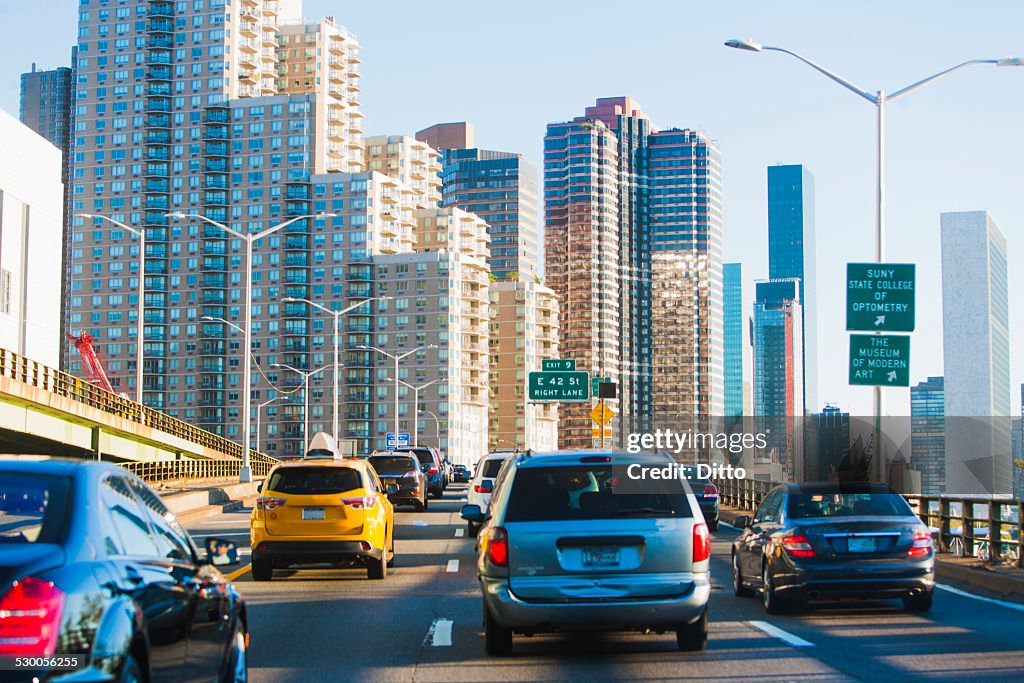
{"points": [[777, 632], [439, 634], [453, 566]]}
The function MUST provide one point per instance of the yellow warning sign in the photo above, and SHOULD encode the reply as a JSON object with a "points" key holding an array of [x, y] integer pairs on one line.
{"points": [[601, 414], [597, 432]]}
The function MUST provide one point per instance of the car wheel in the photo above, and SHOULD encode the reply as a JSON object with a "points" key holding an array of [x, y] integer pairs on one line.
{"points": [[497, 640], [425, 504], [236, 668], [693, 637], [773, 604], [738, 589], [262, 570], [713, 526], [437, 493], [130, 670], [378, 569], [391, 561], [472, 529], [922, 602]]}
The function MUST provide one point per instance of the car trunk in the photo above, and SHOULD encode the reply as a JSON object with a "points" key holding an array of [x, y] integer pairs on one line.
{"points": [[315, 502], [863, 538], [18, 560]]}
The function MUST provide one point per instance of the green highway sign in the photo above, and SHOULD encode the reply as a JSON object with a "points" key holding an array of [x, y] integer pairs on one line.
{"points": [[558, 365], [595, 381], [559, 386], [880, 297], [880, 360]]}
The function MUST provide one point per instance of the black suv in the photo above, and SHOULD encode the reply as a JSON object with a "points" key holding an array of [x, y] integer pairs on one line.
{"points": [[430, 463]]}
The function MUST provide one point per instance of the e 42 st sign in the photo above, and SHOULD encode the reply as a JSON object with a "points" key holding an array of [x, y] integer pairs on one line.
{"points": [[880, 297]]}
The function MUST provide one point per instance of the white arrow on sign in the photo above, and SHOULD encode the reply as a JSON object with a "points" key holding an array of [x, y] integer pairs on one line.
{"points": [[892, 375], [880, 320]]}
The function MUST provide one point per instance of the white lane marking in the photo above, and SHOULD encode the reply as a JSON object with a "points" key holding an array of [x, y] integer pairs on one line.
{"points": [[453, 566], [459, 533], [439, 634], [1003, 603], [777, 632], [419, 522]]}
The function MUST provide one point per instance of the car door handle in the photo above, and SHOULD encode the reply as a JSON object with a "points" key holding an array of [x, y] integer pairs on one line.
{"points": [[132, 575]]}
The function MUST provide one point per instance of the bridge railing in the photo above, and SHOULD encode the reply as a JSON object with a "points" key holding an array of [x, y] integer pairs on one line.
{"points": [[175, 470], [966, 526], [28, 371]]}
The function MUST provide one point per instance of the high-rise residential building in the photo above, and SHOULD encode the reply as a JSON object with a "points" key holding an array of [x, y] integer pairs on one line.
{"points": [[777, 340], [617, 192], [732, 375], [976, 354], [31, 223], [523, 333], [928, 434], [501, 188], [827, 444], [1018, 451], [791, 254]]}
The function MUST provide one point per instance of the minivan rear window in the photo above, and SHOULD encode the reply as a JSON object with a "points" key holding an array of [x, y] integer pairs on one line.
{"points": [[491, 467], [548, 494], [33, 507], [312, 481]]}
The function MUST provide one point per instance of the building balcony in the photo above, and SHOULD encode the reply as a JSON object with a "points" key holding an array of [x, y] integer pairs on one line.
{"points": [[159, 73], [161, 25], [161, 41]]}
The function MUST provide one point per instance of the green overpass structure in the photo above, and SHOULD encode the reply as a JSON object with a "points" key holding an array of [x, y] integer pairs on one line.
{"points": [[44, 411]]}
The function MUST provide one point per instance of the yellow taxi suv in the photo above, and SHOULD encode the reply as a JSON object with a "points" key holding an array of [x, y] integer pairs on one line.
{"points": [[322, 509]]}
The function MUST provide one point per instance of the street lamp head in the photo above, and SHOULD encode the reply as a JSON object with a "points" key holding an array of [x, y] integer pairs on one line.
{"points": [[85, 215], [289, 300], [325, 214], [207, 317], [747, 44], [176, 214], [1010, 61]]}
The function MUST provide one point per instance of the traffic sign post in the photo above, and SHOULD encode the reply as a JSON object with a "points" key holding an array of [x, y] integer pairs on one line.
{"points": [[559, 386], [881, 360], [403, 441], [558, 365], [880, 297]]}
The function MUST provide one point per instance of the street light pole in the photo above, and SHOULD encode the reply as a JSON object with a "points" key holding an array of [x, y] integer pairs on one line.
{"points": [[141, 329], [337, 317], [879, 99], [416, 407], [258, 409], [396, 359], [245, 474], [305, 398], [437, 427]]}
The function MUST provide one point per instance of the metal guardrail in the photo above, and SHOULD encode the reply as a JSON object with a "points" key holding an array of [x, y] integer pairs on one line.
{"points": [[28, 371], [966, 526], [173, 470]]}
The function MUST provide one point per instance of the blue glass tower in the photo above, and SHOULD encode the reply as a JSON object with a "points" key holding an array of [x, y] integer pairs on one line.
{"points": [[732, 287], [791, 254], [928, 434]]}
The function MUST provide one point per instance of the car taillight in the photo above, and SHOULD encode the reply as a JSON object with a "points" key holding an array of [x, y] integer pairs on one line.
{"points": [[701, 542], [269, 503], [710, 491], [497, 547], [922, 544], [30, 614], [797, 545], [361, 503], [411, 474], [432, 470]]}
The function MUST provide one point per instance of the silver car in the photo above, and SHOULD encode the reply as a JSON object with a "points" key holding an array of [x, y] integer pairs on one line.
{"points": [[570, 544]]}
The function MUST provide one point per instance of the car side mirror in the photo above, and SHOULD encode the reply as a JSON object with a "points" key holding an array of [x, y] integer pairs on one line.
{"points": [[741, 522], [472, 513], [486, 486], [259, 487], [391, 488], [221, 552]]}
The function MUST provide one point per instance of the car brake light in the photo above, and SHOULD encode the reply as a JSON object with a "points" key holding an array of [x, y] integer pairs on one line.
{"points": [[30, 615], [701, 542], [411, 474], [269, 503], [710, 491], [497, 547], [361, 503], [922, 544], [432, 470], [797, 545], [596, 458]]}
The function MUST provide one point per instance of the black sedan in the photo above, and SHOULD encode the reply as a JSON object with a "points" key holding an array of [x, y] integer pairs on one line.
{"points": [[462, 473], [99, 582], [833, 540], [403, 470]]}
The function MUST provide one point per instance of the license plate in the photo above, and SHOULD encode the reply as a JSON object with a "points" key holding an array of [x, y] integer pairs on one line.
{"points": [[861, 545], [313, 513], [600, 557]]}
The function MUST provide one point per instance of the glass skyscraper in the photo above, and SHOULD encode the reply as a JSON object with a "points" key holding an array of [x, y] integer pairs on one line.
{"points": [[791, 254], [928, 435], [732, 290]]}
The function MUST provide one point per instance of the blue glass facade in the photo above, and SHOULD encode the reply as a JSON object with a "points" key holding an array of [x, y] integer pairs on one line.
{"points": [[732, 288], [791, 254], [927, 434]]}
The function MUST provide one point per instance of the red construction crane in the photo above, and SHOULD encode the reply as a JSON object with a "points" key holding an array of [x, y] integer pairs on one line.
{"points": [[91, 360]]}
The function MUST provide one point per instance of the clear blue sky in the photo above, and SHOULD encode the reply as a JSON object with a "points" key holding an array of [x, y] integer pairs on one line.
{"points": [[510, 68]]}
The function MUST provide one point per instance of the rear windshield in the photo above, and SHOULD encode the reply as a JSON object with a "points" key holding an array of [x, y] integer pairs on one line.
{"points": [[803, 505], [585, 492], [393, 464], [425, 457], [314, 480], [491, 467], [33, 507]]}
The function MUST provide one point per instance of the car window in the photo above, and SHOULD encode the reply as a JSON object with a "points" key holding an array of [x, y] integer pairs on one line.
{"points": [[33, 507], [769, 510], [805, 505], [491, 467], [393, 464], [310, 481], [586, 492], [171, 539], [129, 520]]}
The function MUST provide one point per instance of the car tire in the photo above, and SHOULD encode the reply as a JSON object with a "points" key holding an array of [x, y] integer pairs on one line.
{"points": [[437, 493], [425, 505], [922, 602], [773, 604], [738, 589], [497, 639], [378, 568], [472, 530], [262, 570], [713, 526], [693, 637], [131, 672], [236, 668], [391, 560]]}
